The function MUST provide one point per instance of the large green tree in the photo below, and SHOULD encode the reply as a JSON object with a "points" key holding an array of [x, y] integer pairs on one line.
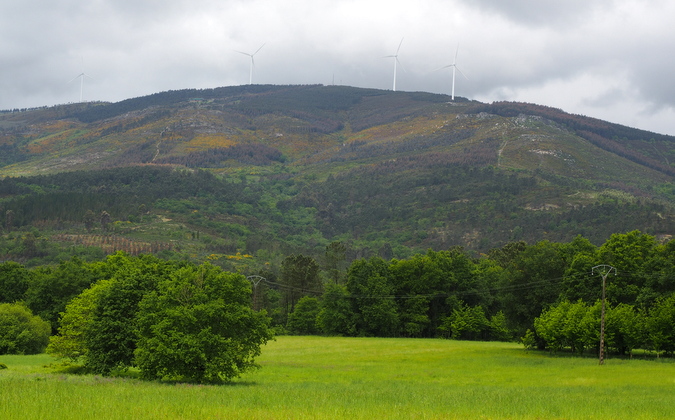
{"points": [[299, 277], [533, 282], [375, 309], [659, 279], [111, 340], [415, 280], [336, 316], [199, 326], [629, 253], [578, 283]]}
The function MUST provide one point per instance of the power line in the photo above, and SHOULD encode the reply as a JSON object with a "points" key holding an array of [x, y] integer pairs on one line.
{"points": [[491, 290]]}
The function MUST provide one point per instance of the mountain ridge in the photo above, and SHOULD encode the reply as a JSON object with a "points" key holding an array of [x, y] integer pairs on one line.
{"points": [[369, 167]]}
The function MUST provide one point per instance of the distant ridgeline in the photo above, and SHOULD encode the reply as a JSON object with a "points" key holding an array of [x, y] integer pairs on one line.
{"points": [[259, 98]]}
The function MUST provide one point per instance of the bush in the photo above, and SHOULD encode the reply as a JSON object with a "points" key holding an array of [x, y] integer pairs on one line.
{"points": [[303, 319], [499, 330], [466, 323], [529, 340], [21, 332]]}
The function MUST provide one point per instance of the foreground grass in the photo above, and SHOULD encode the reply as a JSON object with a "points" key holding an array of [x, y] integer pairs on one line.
{"points": [[318, 377]]}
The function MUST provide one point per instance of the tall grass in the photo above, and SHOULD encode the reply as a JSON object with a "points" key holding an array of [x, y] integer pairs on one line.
{"points": [[318, 377]]}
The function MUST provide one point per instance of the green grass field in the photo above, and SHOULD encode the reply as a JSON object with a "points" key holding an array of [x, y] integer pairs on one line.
{"points": [[356, 378]]}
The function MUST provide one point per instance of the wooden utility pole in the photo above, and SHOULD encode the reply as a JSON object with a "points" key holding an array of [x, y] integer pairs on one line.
{"points": [[604, 271]]}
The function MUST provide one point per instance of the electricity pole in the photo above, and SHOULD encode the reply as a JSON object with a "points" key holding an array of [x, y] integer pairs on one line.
{"points": [[604, 271], [254, 281]]}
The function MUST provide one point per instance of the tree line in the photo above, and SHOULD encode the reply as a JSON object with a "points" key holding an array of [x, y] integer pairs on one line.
{"points": [[538, 292], [509, 293]]}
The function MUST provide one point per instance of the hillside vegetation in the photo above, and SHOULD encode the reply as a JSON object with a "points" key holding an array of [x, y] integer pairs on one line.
{"points": [[271, 170]]}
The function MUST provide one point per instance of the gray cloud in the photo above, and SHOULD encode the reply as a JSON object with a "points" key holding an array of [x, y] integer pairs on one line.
{"points": [[544, 12]]}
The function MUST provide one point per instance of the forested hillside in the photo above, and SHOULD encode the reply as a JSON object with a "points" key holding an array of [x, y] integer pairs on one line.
{"points": [[266, 171]]}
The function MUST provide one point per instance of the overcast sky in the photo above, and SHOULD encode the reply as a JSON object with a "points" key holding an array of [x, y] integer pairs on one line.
{"points": [[609, 59]]}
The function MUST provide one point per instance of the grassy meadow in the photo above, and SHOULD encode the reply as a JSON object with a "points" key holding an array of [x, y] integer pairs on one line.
{"points": [[356, 378]]}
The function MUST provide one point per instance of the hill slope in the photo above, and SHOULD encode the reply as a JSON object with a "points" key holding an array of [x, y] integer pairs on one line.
{"points": [[299, 166]]}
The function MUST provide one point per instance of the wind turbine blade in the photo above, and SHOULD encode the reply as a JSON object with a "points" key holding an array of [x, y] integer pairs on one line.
{"points": [[456, 52], [256, 51], [399, 63], [460, 72], [241, 52], [76, 77], [399, 46]]}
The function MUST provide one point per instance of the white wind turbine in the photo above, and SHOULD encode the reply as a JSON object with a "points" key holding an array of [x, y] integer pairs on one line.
{"points": [[81, 76], [454, 69], [395, 57], [250, 75]]}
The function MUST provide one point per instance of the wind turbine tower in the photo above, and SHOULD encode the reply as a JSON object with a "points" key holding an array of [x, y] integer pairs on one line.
{"points": [[395, 57], [454, 70], [250, 74], [81, 76]]}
